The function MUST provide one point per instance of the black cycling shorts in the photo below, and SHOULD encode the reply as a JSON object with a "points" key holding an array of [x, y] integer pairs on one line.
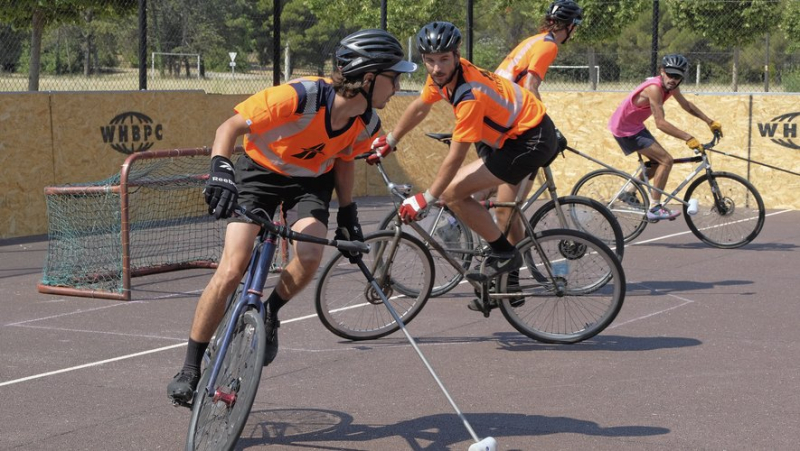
{"points": [[522, 156], [261, 188]]}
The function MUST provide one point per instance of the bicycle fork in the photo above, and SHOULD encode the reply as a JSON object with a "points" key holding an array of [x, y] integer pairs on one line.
{"points": [[250, 298]]}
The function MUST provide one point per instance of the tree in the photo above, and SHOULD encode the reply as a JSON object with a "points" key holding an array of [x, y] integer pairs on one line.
{"points": [[38, 14], [728, 23]]}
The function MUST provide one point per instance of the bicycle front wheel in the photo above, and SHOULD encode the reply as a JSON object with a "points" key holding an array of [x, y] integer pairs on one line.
{"points": [[350, 307], [568, 292], [582, 214], [730, 211], [626, 199], [219, 417], [452, 234]]}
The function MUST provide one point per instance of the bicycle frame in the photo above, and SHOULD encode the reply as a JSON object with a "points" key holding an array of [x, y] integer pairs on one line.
{"points": [[256, 278], [399, 193], [257, 272], [640, 175]]}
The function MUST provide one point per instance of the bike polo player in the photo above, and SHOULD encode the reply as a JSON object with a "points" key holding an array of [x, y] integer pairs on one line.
{"points": [[627, 126], [300, 140], [508, 124]]}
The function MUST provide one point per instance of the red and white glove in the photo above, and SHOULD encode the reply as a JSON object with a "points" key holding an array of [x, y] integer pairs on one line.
{"points": [[382, 146], [416, 207]]}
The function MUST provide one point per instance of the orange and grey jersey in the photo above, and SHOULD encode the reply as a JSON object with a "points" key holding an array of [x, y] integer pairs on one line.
{"points": [[488, 108], [290, 129], [532, 56]]}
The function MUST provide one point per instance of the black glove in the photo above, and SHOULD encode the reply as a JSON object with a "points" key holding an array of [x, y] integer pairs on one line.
{"points": [[220, 191], [561, 141], [349, 229]]}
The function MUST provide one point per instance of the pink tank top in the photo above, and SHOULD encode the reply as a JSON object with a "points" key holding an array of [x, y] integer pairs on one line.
{"points": [[628, 119]]}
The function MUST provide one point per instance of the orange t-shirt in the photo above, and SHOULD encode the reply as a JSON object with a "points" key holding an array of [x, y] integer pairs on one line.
{"points": [[532, 56], [290, 131], [488, 108]]}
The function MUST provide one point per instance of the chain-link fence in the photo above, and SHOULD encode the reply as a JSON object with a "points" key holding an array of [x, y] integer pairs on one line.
{"points": [[228, 47]]}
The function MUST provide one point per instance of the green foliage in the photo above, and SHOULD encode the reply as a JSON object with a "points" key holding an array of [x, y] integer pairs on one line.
{"points": [[791, 81], [791, 23], [730, 23]]}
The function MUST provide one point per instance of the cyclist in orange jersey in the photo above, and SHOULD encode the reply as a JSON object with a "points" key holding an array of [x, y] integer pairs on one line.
{"points": [[527, 65], [300, 140], [508, 124]]}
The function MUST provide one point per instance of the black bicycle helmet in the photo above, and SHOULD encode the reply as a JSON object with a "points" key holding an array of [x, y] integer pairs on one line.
{"points": [[565, 11], [371, 50], [675, 64], [438, 37]]}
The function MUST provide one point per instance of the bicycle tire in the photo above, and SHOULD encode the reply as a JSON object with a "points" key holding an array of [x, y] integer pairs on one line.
{"points": [[553, 311], [348, 305], [216, 425], [604, 186], [452, 234], [742, 216], [582, 214]]}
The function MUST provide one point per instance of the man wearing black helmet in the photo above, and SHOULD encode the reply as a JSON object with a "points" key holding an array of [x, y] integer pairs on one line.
{"points": [[627, 126], [300, 140], [527, 66], [508, 124]]}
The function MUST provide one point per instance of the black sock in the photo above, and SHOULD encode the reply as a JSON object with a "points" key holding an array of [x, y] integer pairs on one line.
{"points": [[501, 245], [194, 355], [275, 303]]}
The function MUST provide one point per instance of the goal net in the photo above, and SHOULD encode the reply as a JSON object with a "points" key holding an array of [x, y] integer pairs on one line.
{"points": [[149, 218]]}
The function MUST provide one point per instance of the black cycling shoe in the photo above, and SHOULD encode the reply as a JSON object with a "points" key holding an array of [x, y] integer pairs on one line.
{"points": [[497, 264], [271, 326], [181, 389], [513, 286]]}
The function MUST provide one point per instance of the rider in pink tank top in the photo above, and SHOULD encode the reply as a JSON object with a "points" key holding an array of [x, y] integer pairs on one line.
{"points": [[628, 119], [627, 126]]}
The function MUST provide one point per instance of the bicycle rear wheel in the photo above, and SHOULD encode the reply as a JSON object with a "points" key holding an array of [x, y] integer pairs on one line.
{"points": [[732, 223], [627, 200], [219, 417], [452, 234], [582, 296], [350, 307], [583, 214]]}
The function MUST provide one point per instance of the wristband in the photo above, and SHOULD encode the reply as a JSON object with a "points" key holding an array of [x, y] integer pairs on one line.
{"points": [[391, 141], [429, 198]]}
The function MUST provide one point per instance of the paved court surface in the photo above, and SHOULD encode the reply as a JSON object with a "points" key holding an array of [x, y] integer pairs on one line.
{"points": [[704, 355]]}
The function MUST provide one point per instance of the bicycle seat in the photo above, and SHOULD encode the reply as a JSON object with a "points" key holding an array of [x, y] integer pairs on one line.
{"points": [[443, 137]]}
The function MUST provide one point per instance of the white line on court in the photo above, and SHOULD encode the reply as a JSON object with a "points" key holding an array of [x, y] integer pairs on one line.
{"points": [[87, 365], [167, 348]]}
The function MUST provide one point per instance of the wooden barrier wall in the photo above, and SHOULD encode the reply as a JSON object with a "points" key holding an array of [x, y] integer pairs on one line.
{"points": [[57, 138]]}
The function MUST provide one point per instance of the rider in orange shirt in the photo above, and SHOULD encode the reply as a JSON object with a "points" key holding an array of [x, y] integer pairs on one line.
{"points": [[508, 125], [527, 66], [301, 139]]}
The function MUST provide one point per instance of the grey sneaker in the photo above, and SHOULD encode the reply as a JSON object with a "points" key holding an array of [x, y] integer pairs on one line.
{"points": [[497, 264], [181, 389], [271, 350], [658, 213]]}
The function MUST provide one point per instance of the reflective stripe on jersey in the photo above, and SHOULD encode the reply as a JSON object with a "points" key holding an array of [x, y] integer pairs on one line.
{"points": [[290, 129], [533, 55], [488, 108]]}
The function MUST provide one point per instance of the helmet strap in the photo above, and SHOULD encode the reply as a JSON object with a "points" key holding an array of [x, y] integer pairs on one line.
{"points": [[368, 95]]}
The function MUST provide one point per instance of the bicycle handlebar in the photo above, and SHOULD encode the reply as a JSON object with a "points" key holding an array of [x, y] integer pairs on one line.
{"points": [[713, 142], [286, 232]]}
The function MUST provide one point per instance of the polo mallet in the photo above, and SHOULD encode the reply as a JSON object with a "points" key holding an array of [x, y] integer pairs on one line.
{"points": [[487, 444]]}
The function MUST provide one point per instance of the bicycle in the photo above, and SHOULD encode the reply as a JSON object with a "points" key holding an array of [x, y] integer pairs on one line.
{"points": [[568, 212], [722, 209], [234, 360], [570, 288]]}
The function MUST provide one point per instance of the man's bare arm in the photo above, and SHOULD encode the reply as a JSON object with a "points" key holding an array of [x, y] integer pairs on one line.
{"points": [[653, 94]]}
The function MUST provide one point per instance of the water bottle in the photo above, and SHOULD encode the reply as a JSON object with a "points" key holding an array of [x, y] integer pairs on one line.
{"points": [[560, 268], [448, 231], [692, 210]]}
